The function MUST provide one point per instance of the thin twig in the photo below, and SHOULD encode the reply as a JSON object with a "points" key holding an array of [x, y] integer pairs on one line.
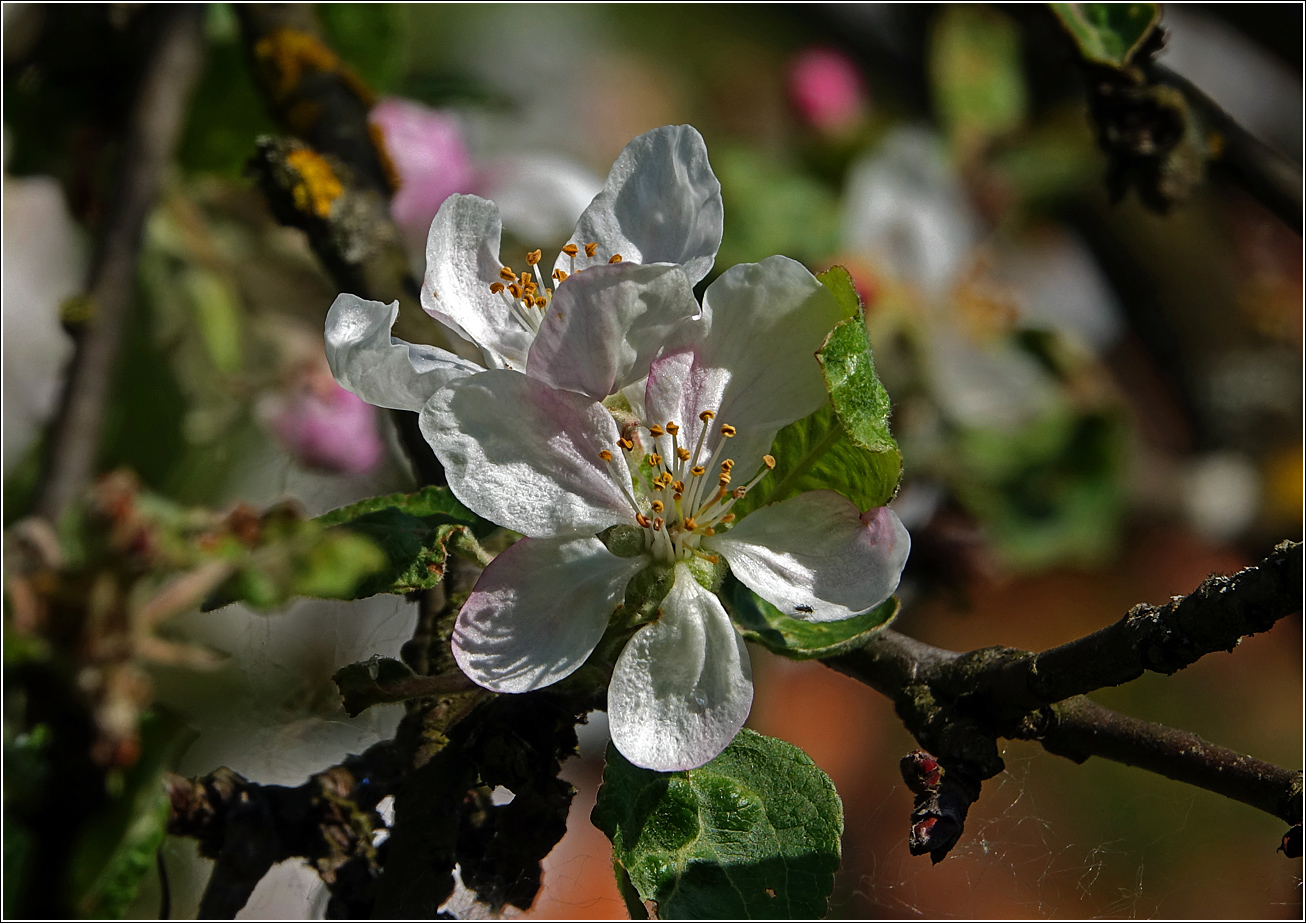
{"points": [[957, 705], [152, 133]]}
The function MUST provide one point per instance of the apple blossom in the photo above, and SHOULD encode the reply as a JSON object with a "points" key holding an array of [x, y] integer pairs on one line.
{"points": [[540, 454], [661, 205]]}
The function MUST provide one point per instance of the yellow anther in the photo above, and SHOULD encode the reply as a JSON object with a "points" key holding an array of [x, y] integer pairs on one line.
{"points": [[571, 249], [540, 301], [697, 471], [709, 531], [729, 517], [769, 461], [655, 430], [559, 275], [496, 287], [507, 275], [706, 415], [525, 279], [626, 444], [682, 453], [605, 455], [678, 487], [515, 289], [642, 520], [658, 523], [727, 464], [658, 506], [615, 258], [673, 428], [690, 525], [727, 430], [591, 249], [723, 479], [533, 257], [655, 459]]}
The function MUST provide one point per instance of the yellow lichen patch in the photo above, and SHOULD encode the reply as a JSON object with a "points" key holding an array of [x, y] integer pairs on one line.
{"points": [[318, 185]]}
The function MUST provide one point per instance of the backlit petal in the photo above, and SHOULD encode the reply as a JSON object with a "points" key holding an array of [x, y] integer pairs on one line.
{"points": [[538, 611], [816, 557], [462, 262], [661, 204], [379, 368], [683, 686], [526, 455], [606, 324]]}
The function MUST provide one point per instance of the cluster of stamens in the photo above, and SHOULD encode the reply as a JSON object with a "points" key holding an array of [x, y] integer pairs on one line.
{"points": [[527, 295], [683, 505]]}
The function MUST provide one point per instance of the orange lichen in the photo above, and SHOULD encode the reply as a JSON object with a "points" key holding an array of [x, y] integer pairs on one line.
{"points": [[392, 178], [288, 55], [318, 185]]}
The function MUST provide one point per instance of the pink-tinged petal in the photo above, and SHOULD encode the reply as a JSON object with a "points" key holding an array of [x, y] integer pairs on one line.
{"points": [[660, 204], [750, 358], [682, 688], [538, 611], [462, 262], [526, 455], [606, 324], [379, 368], [816, 556]]}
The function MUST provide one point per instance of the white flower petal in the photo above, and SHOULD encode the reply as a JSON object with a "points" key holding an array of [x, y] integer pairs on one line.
{"points": [[606, 324], [815, 557], [379, 368], [538, 611], [750, 357], [526, 456], [660, 204], [683, 686], [462, 262]]}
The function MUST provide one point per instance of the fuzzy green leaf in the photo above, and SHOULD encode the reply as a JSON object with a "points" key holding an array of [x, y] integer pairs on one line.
{"points": [[840, 283], [764, 624], [845, 446], [1108, 33], [754, 834]]}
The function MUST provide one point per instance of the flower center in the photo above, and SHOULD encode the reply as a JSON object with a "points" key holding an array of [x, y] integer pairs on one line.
{"points": [[684, 495], [529, 295]]}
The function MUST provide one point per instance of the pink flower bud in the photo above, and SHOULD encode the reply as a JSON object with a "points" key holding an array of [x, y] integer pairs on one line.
{"points": [[324, 426], [826, 89], [427, 149]]}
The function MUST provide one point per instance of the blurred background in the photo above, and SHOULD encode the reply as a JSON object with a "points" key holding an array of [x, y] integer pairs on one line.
{"points": [[1098, 403]]}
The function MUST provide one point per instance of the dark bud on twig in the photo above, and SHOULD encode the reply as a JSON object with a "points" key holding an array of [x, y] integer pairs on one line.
{"points": [[943, 797], [1291, 845]]}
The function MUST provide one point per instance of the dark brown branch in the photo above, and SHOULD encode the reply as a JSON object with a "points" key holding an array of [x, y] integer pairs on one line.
{"points": [[1270, 177], [152, 134], [957, 705], [1163, 639]]}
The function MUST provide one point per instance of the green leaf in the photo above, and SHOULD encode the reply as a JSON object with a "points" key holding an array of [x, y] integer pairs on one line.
{"points": [[1108, 33], [117, 849], [840, 283], [414, 530], [975, 69], [754, 834], [845, 446], [764, 624]]}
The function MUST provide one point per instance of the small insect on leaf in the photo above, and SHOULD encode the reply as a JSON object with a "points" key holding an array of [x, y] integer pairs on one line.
{"points": [[807, 609]]}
